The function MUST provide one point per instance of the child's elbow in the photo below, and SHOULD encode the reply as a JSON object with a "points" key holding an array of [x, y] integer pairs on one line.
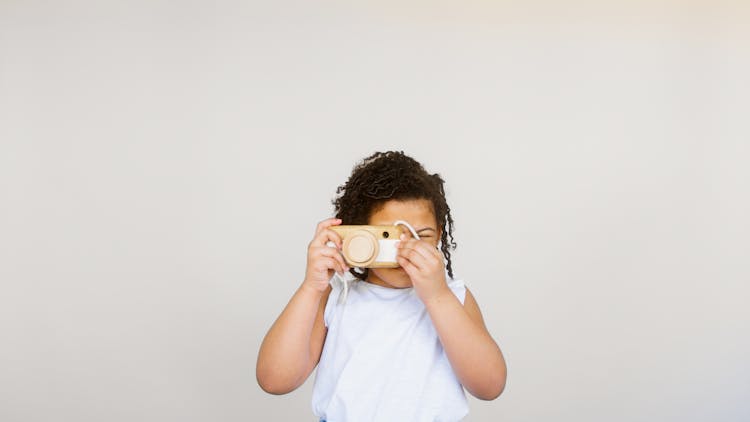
{"points": [[272, 382], [270, 386], [272, 389], [490, 393], [493, 387], [495, 392]]}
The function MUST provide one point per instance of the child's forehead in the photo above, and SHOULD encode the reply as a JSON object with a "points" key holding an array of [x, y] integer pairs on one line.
{"points": [[415, 211]]}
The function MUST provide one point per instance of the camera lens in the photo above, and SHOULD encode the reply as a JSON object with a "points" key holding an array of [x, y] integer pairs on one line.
{"points": [[386, 234]]}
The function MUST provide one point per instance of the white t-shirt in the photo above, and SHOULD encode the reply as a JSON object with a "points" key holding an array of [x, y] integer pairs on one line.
{"points": [[382, 359]]}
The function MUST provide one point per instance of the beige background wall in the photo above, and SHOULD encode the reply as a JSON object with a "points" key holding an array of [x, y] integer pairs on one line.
{"points": [[163, 164]]}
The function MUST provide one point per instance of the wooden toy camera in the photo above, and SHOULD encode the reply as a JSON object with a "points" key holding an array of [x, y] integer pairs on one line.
{"points": [[369, 246]]}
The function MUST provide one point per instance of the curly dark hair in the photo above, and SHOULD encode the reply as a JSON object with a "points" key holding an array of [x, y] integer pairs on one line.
{"points": [[393, 175]]}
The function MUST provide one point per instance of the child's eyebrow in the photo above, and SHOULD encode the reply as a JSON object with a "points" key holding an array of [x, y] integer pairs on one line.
{"points": [[425, 229]]}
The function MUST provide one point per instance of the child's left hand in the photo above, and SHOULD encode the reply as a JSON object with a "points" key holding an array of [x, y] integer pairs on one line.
{"points": [[424, 264]]}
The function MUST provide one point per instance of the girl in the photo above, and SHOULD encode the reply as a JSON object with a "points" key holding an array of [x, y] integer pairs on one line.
{"points": [[404, 342]]}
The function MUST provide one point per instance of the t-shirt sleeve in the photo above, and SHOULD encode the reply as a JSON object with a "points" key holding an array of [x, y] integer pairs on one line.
{"points": [[458, 288]]}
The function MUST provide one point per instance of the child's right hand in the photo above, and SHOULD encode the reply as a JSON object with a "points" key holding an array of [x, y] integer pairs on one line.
{"points": [[323, 260]]}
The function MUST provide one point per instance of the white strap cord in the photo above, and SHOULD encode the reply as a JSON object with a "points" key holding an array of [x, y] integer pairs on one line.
{"points": [[408, 226], [345, 280]]}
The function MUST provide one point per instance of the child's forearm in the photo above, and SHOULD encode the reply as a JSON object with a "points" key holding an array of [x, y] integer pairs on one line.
{"points": [[474, 356], [285, 359]]}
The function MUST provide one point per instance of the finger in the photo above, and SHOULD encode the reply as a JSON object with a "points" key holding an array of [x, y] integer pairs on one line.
{"points": [[332, 253], [406, 235], [411, 269], [330, 264], [422, 254], [326, 224], [413, 256], [424, 248], [327, 235], [428, 249]]}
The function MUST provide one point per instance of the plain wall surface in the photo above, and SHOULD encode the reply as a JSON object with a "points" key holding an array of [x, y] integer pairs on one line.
{"points": [[163, 166]]}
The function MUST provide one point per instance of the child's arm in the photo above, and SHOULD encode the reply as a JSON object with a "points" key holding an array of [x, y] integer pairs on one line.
{"points": [[292, 346], [474, 356]]}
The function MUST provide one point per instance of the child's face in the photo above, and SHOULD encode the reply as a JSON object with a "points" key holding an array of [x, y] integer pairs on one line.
{"points": [[418, 213]]}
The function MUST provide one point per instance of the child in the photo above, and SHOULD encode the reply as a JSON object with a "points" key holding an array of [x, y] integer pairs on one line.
{"points": [[404, 342]]}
